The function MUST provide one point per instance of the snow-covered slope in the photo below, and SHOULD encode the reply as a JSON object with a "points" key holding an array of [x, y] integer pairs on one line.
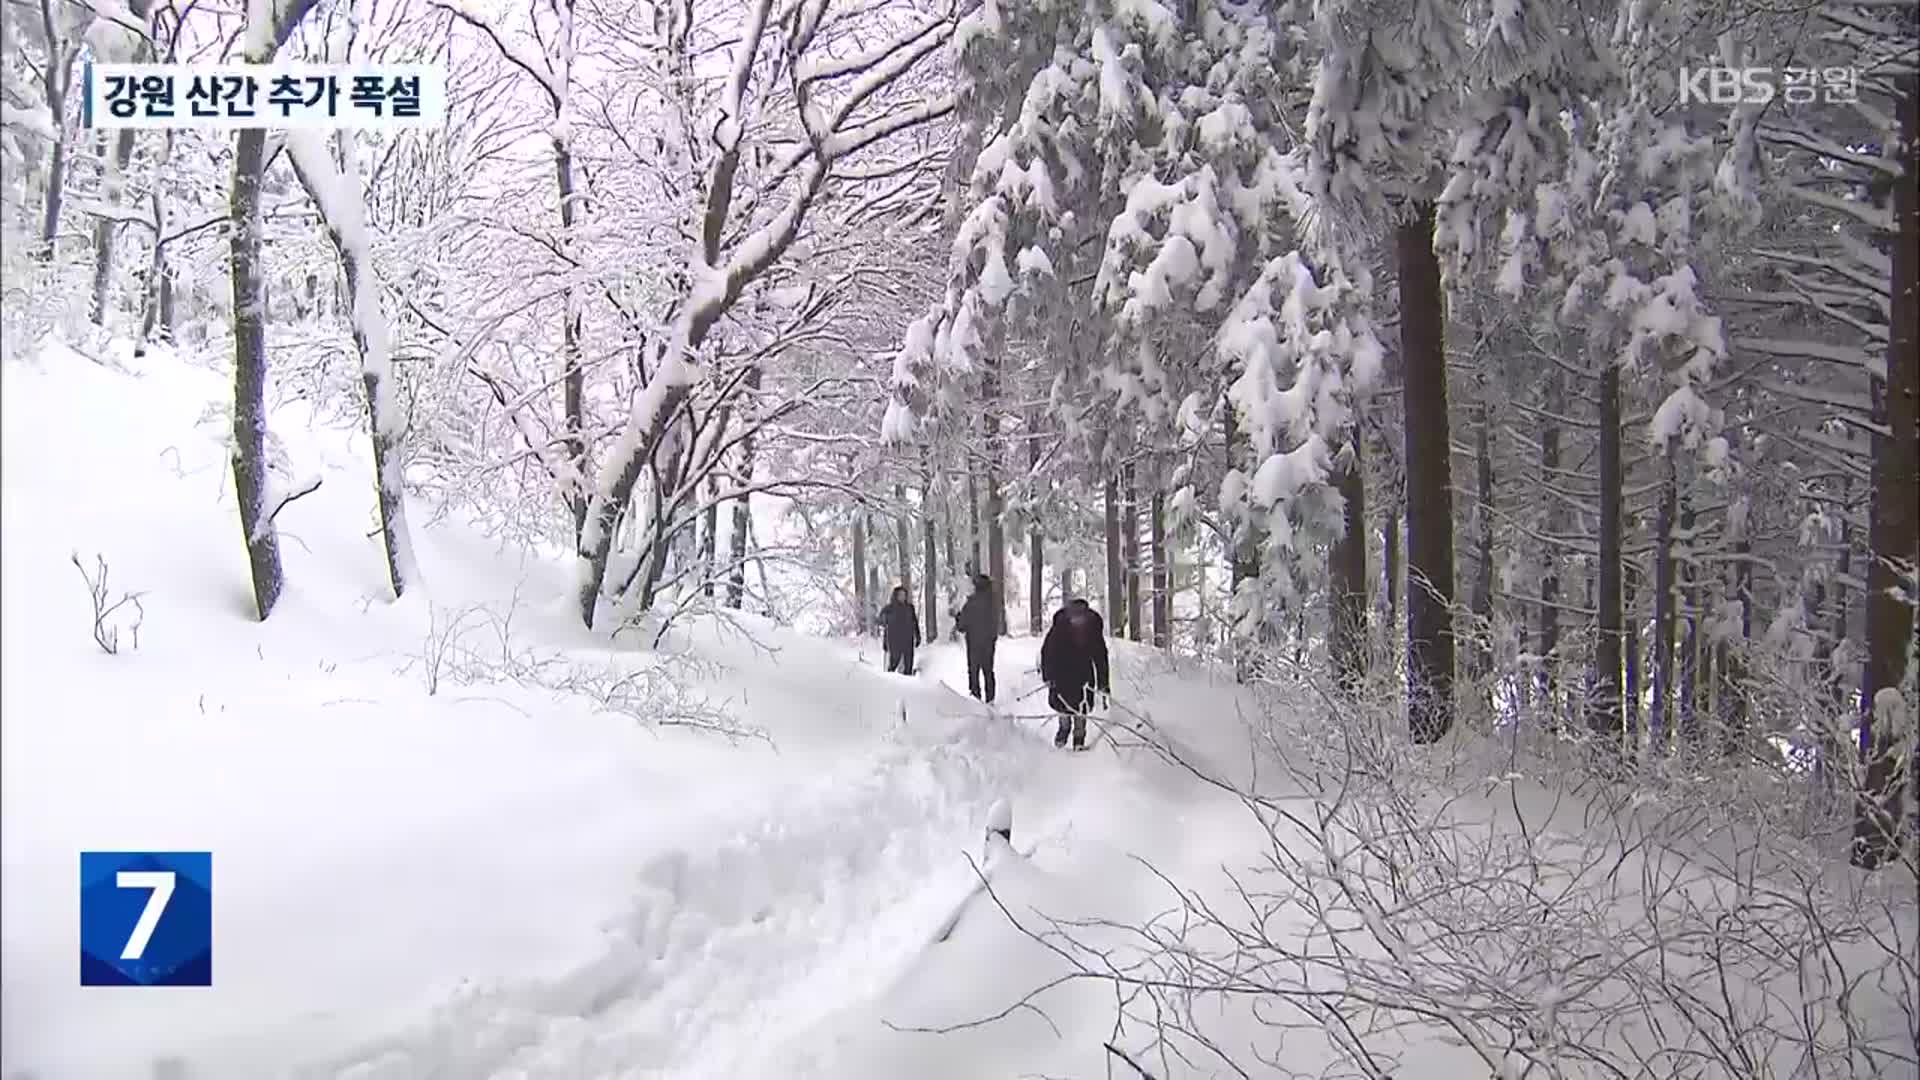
{"points": [[502, 876]]}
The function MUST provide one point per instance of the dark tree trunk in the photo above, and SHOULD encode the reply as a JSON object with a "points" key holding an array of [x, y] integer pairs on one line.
{"points": [[947, 557], [57, 79], [1130, 547], [974, 563], [1390, 556], [1689, 722], [169, 309], [1161, 604], [863, 606], [1036, 579], [1835, 676], [1244, 556], [157, 297], [710, 537], [106, 227], [743, 506], [1036, 537], [1731, 664], [1349, 599], [902, 539], [996, 516], [1604, 715], [1883, 810], [1430, 643], [1660, 713], [250, 476], [1549, 627], [573, 377], [1636, 580], [1116, 575], [929, 568], [1483, 511]]}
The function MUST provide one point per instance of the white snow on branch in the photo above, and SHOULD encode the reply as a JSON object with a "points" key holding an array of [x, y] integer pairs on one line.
{"points": [[345, 211], [532, 63]]}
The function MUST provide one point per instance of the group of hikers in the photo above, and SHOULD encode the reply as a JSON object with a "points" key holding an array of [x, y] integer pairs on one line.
{"points": [[1073, 657]]}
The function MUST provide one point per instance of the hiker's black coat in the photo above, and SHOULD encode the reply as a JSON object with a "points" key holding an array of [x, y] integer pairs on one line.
{"points": [[900, 626], [979, 621], [1073, 659]]}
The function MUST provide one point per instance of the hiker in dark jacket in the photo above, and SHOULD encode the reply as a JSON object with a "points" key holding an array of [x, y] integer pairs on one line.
{"points": [[979, 620], [1073, 664], [900, 631]]}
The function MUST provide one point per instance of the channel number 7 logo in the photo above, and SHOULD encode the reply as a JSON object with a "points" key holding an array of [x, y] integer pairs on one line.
{"points": [[146, 918]]}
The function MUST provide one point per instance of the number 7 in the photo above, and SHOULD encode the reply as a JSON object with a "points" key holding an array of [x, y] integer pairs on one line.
{"points": [[161, 882]]}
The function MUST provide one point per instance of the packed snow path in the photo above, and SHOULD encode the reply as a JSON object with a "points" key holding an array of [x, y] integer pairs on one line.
{"points": [[743, 936]]}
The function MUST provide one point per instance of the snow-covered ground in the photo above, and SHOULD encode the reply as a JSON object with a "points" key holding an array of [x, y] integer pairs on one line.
{"points": [[444, 845], [501, 876]]}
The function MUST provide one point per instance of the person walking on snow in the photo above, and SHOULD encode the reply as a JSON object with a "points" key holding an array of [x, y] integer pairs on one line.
{"points": [[1073, 664], [979, 620], [900, 631]]}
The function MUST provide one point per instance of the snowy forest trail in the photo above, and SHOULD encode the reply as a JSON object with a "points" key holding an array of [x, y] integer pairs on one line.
{"points": [[428, 866], [739, 938]]}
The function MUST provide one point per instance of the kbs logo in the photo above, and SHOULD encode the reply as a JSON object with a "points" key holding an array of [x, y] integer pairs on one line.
{"points": [[1760, 85], [146, 918]]}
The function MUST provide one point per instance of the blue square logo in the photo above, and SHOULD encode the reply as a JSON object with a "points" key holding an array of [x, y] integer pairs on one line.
{"points": [[146, 918]]}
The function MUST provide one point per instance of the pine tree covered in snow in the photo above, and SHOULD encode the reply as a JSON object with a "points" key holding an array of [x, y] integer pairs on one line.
{"points": [[1136, 205]]}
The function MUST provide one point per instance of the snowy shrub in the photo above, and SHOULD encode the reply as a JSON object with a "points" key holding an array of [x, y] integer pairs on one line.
{"points": [[1499, 897], [475, 646], [108, 620]]}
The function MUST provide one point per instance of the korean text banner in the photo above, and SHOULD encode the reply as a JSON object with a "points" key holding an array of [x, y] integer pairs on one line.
{"points": [[264, 95]]}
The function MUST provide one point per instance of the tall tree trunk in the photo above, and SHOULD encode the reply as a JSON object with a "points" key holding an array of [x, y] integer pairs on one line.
{"points": [[106, 226], [1829, 600], [1635, 579], [1430, 648], [929, 568], [743, 506], [710, 537], [1660, 713], [947, 556], [1203, 613], [1243, 556], [372, 339], [1116, 576], [1066, 587], [1483, 511], [1036, 538], [1604, 715], [1157, 552], [1130, 548], [169, 307], [1390, 555], [250, 476], [1549, 617], [573, 377], [157, 298], [1731, 664], [996, 505], [1036, 579], [862, 599], [1349, 599], [975, 564], [1689, 722], [1894, 531], [1833, 667], [902, 539], [57, 79]]}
